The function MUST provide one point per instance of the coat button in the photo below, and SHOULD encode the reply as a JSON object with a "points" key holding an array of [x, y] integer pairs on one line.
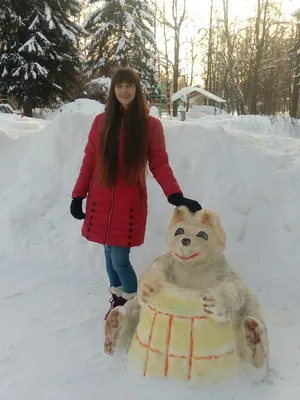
{"points": [[89, 230], [90, 223], [131, 216], [129, 237], [131, 210], [91, 217], [94, 203], [131, 223], [93, 209], [87, 237], [130, 230], [129, 244]]}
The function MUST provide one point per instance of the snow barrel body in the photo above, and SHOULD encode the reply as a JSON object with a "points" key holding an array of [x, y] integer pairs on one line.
{"points": [[175, 338]]}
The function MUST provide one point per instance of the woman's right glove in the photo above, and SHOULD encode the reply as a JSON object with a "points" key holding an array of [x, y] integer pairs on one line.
{"points": [[76, 208]]}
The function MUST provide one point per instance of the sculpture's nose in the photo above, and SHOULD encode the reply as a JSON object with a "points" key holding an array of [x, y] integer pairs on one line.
{"points": [[186, 241]]}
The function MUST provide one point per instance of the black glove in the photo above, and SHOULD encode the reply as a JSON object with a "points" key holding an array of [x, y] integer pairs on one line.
{"points": [[76, 208], [177, 200]]}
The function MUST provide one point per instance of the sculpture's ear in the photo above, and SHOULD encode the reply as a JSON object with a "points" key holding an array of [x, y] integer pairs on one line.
{"points": [[179, 214], [208, 217]]}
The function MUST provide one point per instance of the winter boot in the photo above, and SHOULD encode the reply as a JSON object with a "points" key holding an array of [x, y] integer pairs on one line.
{"points": [[116, 299], [119, 298]]}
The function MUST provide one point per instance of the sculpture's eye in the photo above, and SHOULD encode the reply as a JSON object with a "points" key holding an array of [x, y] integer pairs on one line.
{"points": [[179, 231], [203, 235]]}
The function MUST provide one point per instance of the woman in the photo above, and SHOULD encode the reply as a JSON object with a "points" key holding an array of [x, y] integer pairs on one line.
{"points": [[122, 141]]}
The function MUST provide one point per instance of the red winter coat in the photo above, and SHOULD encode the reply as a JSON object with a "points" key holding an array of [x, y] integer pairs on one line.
{"points": [[117, 216]]}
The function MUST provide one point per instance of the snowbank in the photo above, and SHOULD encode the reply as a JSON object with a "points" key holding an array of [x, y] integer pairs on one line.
{"points": [[12, 125], [256, 125], [86, 106], [53, 283]]}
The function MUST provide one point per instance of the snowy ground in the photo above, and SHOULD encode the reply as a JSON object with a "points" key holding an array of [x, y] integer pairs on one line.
{"points": [[53, 286]]}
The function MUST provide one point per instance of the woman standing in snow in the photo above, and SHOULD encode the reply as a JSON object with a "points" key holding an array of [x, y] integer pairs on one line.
{"points": [[121, 142]]}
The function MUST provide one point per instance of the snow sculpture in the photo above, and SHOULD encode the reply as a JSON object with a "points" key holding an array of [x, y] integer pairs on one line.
{"points": [[193, 318]]}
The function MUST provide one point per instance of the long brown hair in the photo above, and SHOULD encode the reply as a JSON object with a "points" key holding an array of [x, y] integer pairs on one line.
{"points": [[134, 157]]}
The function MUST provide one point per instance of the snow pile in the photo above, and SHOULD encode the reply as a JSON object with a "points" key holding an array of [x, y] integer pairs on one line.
{"points": [[86, 106], [53, 283], [13, 125], [255, 125], [154, 111]]}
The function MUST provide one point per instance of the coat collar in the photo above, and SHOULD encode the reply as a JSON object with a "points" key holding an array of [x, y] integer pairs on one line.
{"points": [[123, 111]]}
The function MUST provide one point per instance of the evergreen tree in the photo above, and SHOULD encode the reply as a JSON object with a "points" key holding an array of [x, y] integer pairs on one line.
{"points": [[121, 34], [38, 53]]}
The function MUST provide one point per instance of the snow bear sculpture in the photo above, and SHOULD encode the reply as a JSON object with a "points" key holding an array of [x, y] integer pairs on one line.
{"points": [[193, 317]]}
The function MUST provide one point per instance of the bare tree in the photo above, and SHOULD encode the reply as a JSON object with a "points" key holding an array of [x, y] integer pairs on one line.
{"points": [[260, 38], [175, 26], [208, 81], [296, 72], [239, 97]]}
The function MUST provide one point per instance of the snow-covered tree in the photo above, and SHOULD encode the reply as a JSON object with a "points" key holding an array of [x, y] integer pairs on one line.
{"points": [[38, 53], [98, 89], [121, 34]]}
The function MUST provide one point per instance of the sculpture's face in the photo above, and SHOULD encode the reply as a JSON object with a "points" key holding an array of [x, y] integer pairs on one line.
{"points": [[195, 238]]}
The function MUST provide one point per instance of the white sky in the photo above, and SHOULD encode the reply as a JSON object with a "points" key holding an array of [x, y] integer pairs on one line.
{"points": [[243, 9]]}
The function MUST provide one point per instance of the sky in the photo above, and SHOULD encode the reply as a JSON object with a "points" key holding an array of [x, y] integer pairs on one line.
{"points": [[243, 9]]}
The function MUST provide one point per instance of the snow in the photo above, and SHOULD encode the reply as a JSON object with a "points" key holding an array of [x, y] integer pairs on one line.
{"points": [[31, 46], [194, 89], [104, 28], [13, 126], [129, 22], [85, 106], [44, 39], [154, 111], [121, 46], [67, 33], [53, 283], [97, 86], [4, 73], [101, 81], [30, 70], [34, 23], [49, 17]]}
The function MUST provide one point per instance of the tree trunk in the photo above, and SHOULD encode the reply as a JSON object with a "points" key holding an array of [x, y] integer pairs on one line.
{"points": [[239, 98], [296, 81], [178, 21], [27, 107]]}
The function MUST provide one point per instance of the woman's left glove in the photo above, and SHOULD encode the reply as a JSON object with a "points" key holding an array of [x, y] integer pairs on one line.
{"points": [[177, 200]]}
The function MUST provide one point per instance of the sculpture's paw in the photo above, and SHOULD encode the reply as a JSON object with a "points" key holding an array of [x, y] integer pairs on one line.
{"points": [[149, 287], [256, 340], [112, 328], [215, 310]]}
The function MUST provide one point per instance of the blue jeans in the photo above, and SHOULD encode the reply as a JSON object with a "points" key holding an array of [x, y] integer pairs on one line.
{"points": [[119, 269]]}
